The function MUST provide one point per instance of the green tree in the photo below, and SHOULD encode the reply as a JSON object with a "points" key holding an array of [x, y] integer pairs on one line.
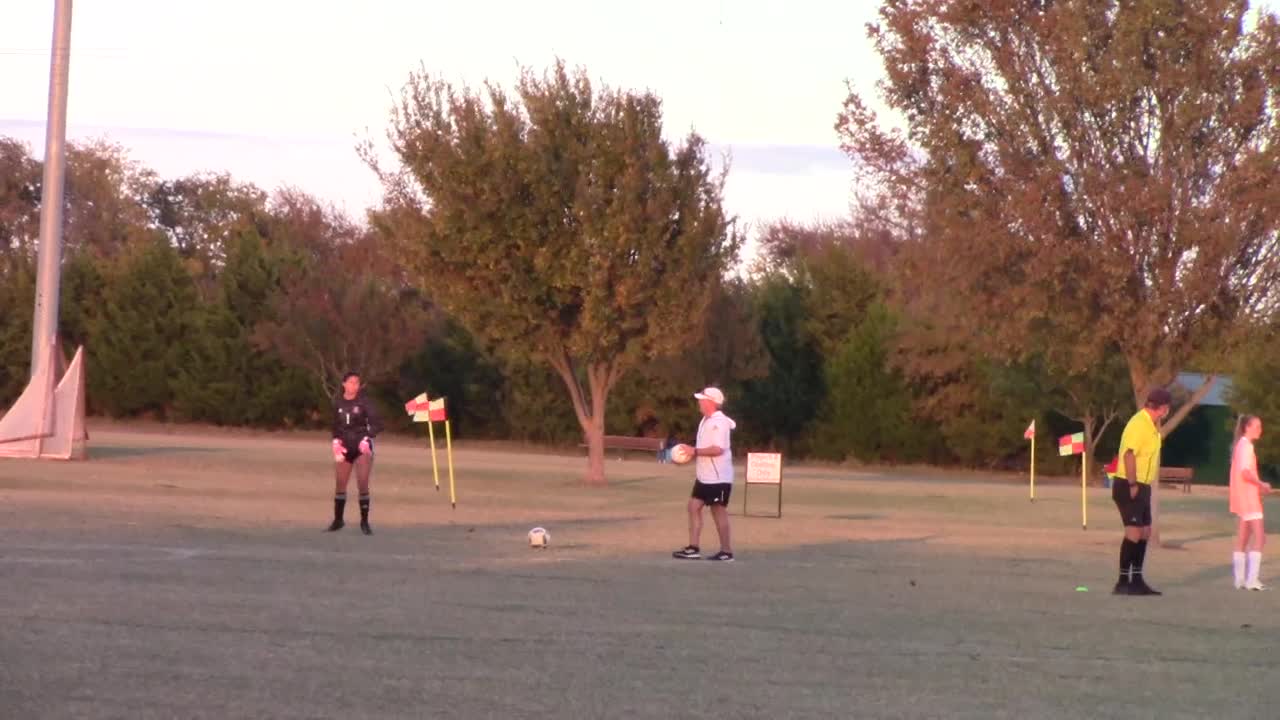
{"points": [[104, 212], [776, 409], [958, 391], [453, 366], [19, 199], [1093, 399], [657, 398], [203, 216], [838, 271], [842, 266], [867, 411], [139, 336], [81, 297], [532, 402], [1255, 386], [82, 287], [212, 380], [558, 224], [224, 377], [17, 295]]}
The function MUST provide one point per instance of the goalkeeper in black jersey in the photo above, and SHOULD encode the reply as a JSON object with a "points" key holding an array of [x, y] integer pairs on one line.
{"points": [[355, 424]]}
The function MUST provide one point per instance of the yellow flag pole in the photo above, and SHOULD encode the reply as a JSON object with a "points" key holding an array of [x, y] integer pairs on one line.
{"points": [[435, 471], [1084, 497], [448, 443], [1033, 468]]}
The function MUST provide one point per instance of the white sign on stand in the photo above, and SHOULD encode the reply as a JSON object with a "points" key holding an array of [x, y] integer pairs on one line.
{"points": [[763, 469]]}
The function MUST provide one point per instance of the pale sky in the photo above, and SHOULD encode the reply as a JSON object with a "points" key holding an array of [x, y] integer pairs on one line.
{"points": [[278, 92]]}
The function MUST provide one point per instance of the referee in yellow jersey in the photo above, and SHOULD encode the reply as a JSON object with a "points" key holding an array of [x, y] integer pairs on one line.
{"points": [[1139, 461]]}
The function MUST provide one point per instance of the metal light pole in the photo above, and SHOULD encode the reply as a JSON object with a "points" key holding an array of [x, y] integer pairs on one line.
{"points": [[49, 267], [47, 421]]}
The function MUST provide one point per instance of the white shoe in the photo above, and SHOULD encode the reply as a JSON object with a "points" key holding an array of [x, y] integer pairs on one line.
{"points": [[1255, 586], [1239, 586]]}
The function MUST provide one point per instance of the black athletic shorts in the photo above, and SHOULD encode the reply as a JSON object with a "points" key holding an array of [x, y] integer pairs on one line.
{"points": [[1136, 512], [353, 450], [712, 493]]}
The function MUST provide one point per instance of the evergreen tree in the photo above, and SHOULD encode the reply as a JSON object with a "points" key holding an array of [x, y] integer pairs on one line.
{"points": [[140, 337]]}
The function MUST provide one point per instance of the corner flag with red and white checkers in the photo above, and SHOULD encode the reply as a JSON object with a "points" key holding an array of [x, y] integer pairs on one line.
{"points": [[1071, 444], [435, 410]]}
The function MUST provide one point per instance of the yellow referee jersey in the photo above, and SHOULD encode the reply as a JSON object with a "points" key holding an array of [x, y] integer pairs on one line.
{"points": [[1142, 437]]}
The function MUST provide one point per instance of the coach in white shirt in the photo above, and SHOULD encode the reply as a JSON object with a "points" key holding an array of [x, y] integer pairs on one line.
{"points": [[713, 480]]}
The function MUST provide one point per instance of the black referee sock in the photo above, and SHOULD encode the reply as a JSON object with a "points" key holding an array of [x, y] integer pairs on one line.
{"points": [[1128, 551], [364, 508], [339, 506], [1139, 555]]}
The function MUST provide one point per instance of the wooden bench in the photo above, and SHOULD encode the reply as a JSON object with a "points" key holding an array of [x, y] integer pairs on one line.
{"points": [[629, 442], [1177, 475]]}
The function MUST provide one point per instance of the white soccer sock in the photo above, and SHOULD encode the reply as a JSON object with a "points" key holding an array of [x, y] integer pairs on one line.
{"points": [[1255, 563], [1237, 565]]}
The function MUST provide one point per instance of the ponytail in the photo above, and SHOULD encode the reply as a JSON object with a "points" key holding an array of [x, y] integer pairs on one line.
{"points": [[1241, 424]]}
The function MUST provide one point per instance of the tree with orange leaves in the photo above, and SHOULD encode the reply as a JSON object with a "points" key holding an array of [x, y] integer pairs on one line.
{"points": [[1102, 174]]}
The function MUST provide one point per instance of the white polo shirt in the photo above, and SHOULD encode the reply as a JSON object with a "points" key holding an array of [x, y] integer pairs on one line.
{"points": [[714, 430]]}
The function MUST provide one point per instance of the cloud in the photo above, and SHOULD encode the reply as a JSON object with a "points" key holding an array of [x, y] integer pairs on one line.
{"points": [[766, 181], [784, 159], [122, 132]]}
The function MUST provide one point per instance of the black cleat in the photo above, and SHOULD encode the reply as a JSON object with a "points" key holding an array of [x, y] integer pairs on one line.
{"points": [[364, 527], [1140, 587], [688, 552], [336, 525], [1122, 588], [722, 556]]}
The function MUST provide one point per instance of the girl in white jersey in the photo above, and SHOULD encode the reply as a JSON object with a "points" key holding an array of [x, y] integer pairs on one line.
{"points": [[1246, 491]]}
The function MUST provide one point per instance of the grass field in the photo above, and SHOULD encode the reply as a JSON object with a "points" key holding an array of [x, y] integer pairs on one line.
{"points": [[185, 575]]}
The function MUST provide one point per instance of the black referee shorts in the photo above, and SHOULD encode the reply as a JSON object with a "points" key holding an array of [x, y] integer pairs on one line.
{"points": [[1135, 511]]}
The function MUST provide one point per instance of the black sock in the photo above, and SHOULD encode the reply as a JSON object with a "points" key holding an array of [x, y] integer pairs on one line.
{"points": [[364, 508], [1128, 549], [339, 505], [1139, 555]]}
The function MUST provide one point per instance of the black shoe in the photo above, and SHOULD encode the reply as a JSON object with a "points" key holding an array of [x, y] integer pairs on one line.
{"points": [[1122, 588], [364, 527], [688, 552], [722, 556], [336, 525], [1140, 587]]}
